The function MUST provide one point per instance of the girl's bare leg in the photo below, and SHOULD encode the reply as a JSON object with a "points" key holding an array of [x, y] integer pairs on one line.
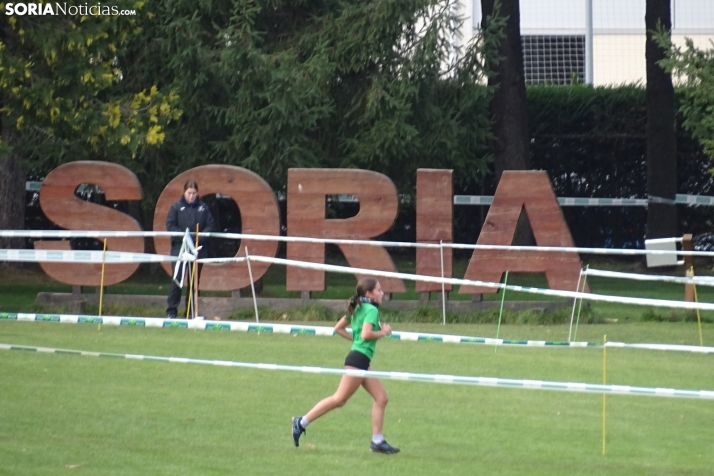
{"points": [[348, 386], [376, 389]]}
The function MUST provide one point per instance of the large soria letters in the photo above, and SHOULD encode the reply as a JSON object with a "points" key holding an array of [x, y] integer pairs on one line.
{"points": [[306, 194], [59, 203], [434, 217], [530, 191]]}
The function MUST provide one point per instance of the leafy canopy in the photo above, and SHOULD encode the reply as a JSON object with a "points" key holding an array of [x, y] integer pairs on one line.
{"points": [[694, 71], [274, 84], [63, 97]]}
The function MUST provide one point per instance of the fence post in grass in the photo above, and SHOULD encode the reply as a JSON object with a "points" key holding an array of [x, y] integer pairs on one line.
{"points": [[580, 307], [500, 314], [575, 302], [443, 289], [252, 285], [690, 274], [604, 395], [101, 280], [195, 285], [189, 298]]}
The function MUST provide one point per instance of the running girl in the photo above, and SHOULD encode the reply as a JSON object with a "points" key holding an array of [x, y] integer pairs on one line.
{"points": [[363, 314]]}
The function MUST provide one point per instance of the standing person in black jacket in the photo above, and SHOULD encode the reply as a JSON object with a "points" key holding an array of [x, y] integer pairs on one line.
{"points": [[187, 212]]}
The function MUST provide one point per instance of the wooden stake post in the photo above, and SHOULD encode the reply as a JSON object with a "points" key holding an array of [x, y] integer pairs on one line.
{"points": [[688, 264]]}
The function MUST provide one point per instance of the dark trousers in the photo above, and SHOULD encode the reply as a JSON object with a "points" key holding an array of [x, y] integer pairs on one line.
{"points": [[175, 292]]}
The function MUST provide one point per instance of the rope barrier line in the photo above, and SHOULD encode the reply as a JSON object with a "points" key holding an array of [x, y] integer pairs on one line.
{"points": [[295, 239], [412, 377], [460, 282], [242, 326], [121, 257], [701, 280], [85, 234]]}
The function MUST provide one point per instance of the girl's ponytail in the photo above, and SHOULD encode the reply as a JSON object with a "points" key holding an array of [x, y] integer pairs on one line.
{"points": [[352, 305]]}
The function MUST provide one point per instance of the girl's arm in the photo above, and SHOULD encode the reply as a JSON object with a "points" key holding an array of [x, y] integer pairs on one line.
{"points": [[341, 328], [369, 334]]}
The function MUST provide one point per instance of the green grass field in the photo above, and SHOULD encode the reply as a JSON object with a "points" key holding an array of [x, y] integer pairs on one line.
{"points": [[63, 414]]}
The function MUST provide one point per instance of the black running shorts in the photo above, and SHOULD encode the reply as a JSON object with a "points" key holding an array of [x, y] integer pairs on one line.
{"points": [[357, 360]]}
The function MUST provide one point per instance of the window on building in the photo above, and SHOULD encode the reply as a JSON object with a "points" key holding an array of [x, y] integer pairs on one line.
{"points": [[554, 59]]}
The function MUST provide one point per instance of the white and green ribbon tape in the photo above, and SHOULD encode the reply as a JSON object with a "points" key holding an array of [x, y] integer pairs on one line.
{"points": [[680, 199], [412, 377], [242, 326], [74, 256], [388, 244]]}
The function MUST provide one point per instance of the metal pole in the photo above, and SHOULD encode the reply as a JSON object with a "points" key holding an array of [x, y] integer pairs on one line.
{"points": [[575, 302], [443, 291], [252, 286], [589, 62]]}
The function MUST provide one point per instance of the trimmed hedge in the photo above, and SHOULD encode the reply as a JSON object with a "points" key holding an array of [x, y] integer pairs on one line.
{"points": [[592, 142]]}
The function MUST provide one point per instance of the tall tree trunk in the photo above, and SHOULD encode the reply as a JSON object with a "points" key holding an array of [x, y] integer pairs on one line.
{"points": [[508, 105], [12, 193], [12, 199], [12, 180], [661, 138]]}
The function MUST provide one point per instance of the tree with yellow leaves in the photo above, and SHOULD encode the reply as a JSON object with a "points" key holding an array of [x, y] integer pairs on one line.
{"points": [[64, 96]]}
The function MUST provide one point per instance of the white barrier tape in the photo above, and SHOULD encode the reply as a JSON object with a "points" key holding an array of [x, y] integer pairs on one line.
{"points": [[700, 280], [387, 244], [242, 326], [671, 347], [683, 199], [462, 246], [75, 256], [661, 200], [680, 199], [412, 377], [121, 257], [562, 201], [574, 249], [694, 199], [84, 234], [466, 282]]}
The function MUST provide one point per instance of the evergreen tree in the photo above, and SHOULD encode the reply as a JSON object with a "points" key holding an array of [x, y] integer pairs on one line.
{"points": [[273, 84]]}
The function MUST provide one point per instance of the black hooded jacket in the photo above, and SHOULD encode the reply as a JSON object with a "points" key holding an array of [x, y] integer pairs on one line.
{"points": [[184, 215]]}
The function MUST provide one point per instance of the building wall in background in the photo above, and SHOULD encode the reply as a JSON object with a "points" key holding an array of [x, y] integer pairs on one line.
{"points": [[554, 33]]}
